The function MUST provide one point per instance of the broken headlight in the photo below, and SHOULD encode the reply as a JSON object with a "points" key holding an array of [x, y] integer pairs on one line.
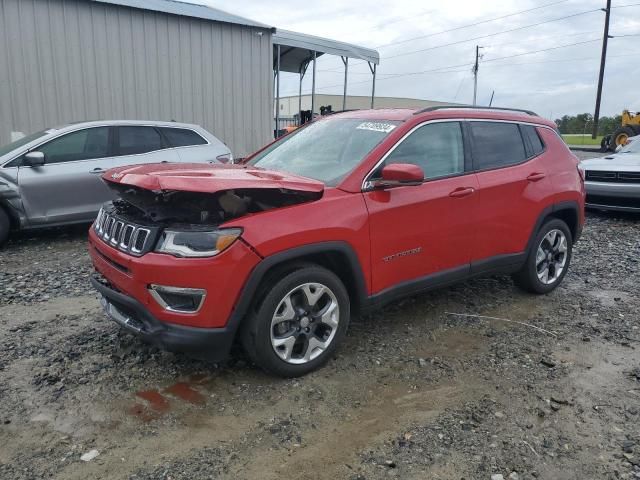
{"points": [[197, 243]]}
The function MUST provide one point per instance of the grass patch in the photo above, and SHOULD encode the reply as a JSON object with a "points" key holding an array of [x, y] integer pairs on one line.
{"points": [[581, 139]]}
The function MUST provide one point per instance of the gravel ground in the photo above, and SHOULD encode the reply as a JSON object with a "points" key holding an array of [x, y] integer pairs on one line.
{"points": [[550, 389]]}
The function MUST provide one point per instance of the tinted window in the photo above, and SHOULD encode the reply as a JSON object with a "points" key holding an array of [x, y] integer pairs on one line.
{"points": [[437, 148], [180, 137], [496, 144], [532, 136], [135, 140], [80, 145]]}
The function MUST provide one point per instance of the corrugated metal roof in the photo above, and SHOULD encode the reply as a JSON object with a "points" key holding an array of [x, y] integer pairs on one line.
{"points": [[188, 10], [300, 44]]}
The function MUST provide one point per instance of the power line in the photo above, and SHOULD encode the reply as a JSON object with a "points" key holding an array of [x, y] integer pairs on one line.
{"points": [[441, 69], [629, 5], [458, 42], [399, 42], [490, 34]]}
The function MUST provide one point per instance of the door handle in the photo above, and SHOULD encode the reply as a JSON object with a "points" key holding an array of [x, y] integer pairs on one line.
{"points": [[97, 171], [534, 177], [462, 192]]}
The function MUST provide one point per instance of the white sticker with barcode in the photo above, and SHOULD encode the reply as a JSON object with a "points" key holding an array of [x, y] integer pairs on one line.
{"points": [[376, 126]]}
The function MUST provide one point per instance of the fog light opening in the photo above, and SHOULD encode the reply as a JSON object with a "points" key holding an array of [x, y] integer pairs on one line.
{"points": [[178, 299]]}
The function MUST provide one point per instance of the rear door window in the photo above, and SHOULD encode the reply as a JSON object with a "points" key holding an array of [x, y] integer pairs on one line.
{"points": [[496, 144], [84, 144], [182, 137], [134, 140]]}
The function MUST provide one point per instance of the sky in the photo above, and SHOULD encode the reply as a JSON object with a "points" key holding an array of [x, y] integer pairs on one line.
{"points": [[561, 80]]}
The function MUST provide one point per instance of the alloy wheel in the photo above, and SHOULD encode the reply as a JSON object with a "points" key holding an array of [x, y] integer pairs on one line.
{"points": [[551, 256], [305, 323]]}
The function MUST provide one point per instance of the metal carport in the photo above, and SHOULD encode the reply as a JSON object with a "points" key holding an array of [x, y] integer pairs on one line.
{"points": [[293, 52]]}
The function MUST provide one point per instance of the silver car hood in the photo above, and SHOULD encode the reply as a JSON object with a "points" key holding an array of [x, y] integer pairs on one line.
{"points": [[619, 162]]}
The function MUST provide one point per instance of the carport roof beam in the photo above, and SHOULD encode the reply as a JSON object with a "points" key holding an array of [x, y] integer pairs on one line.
{"points": [[302, 47]]}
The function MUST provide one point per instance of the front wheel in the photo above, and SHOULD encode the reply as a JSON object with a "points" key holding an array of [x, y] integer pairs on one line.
{"points": [[299, 324], [548, 260]]}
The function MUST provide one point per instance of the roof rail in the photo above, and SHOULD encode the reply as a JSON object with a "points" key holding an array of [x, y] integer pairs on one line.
{"points": [[445, 107]]}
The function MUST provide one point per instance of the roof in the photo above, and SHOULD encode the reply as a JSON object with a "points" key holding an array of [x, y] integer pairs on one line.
{"points": [[299, 47], [404, 114], [185, 9]]}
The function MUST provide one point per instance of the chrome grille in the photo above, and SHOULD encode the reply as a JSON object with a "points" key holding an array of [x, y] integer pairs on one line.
{"points": [[120, 234]]}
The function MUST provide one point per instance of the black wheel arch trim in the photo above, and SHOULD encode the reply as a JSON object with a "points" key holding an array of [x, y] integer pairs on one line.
{"points": [[549, 211], [250, 288]]}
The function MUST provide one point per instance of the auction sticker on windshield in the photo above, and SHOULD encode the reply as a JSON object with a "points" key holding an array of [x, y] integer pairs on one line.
{"points": [[376, 126]]}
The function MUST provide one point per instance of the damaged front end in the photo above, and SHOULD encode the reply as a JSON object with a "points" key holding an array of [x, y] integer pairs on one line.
{"points": [[173, 207], [10, 195], [179, 210]]}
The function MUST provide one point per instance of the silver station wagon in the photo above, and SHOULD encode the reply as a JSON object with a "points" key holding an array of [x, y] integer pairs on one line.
{"points": [[52, 177]]}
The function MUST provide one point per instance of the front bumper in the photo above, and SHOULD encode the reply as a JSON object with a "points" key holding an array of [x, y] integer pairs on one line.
{"points": [[613, 196], [207, 343]]}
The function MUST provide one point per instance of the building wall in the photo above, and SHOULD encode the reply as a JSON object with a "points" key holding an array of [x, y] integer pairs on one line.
{"points": [[289, 105], [65, 61]]}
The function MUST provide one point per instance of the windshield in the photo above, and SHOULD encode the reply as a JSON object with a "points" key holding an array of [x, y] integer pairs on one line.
{"points": [[632, 147], [326, 150], [4, 149]]}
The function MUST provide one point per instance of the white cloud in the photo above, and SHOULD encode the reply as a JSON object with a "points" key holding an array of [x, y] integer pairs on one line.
{"points": [[555, 82]]}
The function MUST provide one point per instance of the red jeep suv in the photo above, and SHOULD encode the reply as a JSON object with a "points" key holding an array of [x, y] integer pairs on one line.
{"points": [[345, 214]]}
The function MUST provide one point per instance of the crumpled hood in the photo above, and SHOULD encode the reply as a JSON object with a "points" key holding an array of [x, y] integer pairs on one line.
{"points": [[614, 162], [207, 178]]}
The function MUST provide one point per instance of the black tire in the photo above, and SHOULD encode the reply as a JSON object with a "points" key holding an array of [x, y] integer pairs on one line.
{"points": [[257, 330], [5, 226], [620, 136], [527, 278], [605, 144]]}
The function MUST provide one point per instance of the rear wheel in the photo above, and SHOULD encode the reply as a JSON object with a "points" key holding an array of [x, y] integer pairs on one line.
{"points": [[299, 324], [5, 226], [548, 260]]}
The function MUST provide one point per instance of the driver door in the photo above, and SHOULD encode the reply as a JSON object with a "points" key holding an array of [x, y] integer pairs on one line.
{"points": [[423, 234]]}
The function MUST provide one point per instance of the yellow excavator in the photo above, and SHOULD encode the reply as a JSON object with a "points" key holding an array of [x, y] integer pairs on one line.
{"points": [[629, 128]]}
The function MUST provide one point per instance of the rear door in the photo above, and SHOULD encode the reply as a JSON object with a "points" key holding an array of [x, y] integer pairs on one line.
{"points": [[513, 184], [424, 231], [66, 188]]}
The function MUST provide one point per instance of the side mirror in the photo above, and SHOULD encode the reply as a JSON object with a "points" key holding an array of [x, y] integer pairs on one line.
{"points": [[34, 159], [400, 175]]}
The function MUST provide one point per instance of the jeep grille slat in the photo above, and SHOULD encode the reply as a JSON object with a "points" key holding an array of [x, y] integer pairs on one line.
{"points": [[121, 234]]}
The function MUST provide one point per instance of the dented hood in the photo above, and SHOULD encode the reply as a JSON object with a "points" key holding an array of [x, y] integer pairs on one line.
{"points": [[207, 178]]}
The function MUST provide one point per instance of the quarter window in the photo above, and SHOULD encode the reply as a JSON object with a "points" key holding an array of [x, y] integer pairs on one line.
{"points": [[136, 140], [437, 148], [496, 144], [81, 145], [181, 137], [531, 134]]}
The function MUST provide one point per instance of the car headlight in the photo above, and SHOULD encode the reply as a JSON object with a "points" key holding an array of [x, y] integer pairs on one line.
{"points": [[197, 243]]}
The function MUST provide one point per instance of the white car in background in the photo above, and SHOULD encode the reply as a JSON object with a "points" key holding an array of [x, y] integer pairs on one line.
{"points": [[52, 177], [613, 182]]}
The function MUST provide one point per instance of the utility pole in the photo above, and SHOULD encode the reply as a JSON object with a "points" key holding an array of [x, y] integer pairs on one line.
{"points": [[475, 75], [603, 59]]}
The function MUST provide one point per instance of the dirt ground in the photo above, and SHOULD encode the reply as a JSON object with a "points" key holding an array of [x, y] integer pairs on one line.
{"points": [[548, 390]]}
